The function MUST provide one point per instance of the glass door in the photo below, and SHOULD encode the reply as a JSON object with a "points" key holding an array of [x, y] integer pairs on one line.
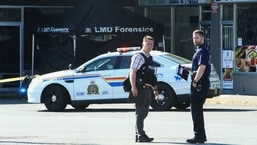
{"points": [[227, 43]]}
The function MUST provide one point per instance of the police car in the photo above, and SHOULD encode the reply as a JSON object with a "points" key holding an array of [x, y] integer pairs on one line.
{"points": [[100, 79]]}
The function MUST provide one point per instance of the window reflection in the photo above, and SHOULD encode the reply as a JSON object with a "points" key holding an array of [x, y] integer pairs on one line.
{"points": [[10, 14], [10, 49]]}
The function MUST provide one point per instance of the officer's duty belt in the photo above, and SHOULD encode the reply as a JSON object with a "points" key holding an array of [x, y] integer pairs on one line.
{"points": [[145, 86]]}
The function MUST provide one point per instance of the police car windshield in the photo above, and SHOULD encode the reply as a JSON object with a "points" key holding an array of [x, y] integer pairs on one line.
{"points": [[176, 59]]}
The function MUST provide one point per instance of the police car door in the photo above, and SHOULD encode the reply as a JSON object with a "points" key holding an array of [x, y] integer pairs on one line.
{"points": [[120, 73], [93, 83]]}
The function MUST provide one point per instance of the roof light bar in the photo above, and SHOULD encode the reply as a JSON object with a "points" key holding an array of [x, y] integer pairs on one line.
{"points": [[127, 49]]}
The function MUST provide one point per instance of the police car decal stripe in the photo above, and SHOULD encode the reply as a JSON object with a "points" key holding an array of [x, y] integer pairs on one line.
{"points": [[80, 77], [114, 82], [116, 79]]}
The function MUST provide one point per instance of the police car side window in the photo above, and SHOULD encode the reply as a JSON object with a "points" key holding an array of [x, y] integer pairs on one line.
{"points": [[125, 62], [101, 64]]}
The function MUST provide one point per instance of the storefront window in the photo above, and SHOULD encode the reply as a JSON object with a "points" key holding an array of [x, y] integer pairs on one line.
{"points": [[10, 48], [206, 12], [162, 15], [186, 21], [227, 12], [10, 14], [246, 58], [246, 51], [247, 24], [9, 56]]}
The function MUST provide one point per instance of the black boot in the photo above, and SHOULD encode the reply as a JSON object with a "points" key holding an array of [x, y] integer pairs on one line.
{"points": [[195, 140], [144, 138]]}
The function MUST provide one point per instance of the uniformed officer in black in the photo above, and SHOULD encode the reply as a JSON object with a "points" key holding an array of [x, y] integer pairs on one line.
{"points": [[147, 88], [201, 69]]}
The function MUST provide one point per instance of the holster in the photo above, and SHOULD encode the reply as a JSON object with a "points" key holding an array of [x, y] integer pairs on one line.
{"points": [[193, 76]]}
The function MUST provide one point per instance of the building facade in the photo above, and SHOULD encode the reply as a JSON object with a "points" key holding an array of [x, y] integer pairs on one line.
{"points": [[16, 19], [230, 27]]}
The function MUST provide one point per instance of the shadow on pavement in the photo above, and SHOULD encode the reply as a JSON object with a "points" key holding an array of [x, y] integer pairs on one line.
{"points": [[101, 110], [12, 101], [37, 143], [228, 110], [184, 143], [218, 110], [118, 110]]}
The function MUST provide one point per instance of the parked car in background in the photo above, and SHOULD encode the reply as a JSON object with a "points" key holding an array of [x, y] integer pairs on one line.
{"points": [[99, 80]]}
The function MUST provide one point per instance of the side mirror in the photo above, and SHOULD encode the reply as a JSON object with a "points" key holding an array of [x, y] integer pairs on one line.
{"points": [[71, 67]]}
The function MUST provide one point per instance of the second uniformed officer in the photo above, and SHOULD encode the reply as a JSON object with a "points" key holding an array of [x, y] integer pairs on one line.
{"points": [[201, 69]]}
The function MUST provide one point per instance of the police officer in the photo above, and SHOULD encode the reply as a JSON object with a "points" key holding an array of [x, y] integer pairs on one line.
{"points": [[201, 69], [146, 88]]}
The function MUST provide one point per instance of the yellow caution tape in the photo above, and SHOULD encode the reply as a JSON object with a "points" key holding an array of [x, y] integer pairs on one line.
{"points": [[14, 79], [11, 79]]}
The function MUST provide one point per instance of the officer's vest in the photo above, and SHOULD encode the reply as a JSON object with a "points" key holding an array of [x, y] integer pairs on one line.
{"points": [[146, 72]]}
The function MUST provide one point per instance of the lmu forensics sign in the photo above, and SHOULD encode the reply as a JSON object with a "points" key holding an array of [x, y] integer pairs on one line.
{"points": [[118, 29], [115, 29]]}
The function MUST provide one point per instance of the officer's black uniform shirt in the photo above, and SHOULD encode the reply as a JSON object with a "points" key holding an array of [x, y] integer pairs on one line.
{"points": [[202, 56]]}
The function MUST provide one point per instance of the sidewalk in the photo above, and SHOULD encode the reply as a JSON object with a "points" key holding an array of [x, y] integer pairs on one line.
{"points": [[249, 100]]}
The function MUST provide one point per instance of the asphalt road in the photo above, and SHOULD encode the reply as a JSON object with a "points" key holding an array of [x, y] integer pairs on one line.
{"points": [[113, 124]]}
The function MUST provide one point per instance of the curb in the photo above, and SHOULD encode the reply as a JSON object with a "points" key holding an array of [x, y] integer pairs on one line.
{"points": [[242, 100], [226, 99]]}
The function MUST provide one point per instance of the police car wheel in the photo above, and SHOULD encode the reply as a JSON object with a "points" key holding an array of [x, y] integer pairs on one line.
{"points": [[55, 98], [80, 106], [166, 99]]}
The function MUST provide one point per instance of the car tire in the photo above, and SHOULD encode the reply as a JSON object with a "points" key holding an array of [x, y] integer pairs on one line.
{"points": [[80, 106], [167, 98], [55, 98], [182, 105]]}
